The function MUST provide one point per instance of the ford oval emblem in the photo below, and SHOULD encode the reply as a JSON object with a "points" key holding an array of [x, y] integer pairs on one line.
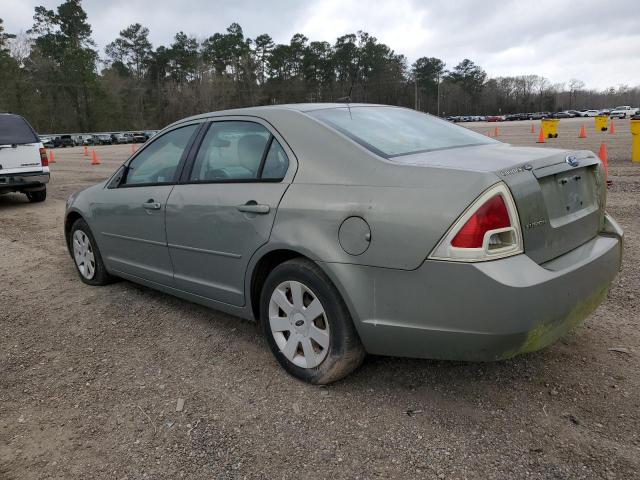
{"points": [[572, 160]]}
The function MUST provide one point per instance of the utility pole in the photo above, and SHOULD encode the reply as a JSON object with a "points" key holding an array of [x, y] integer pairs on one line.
{"points": [[415, 94], [438, 101]]}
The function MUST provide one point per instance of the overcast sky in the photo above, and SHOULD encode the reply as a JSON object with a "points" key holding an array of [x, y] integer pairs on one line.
{"points": [[597, 42]]}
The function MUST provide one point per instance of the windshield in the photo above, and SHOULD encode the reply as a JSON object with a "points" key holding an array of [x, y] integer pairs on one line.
{"points": [[393, 131], [14, 130]]}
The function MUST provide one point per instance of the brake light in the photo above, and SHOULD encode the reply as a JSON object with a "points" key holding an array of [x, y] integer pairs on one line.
{"points": [[490, 216], [44, 160], [488, 229]]}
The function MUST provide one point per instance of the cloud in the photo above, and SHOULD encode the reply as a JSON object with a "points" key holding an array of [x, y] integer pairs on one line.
{"points": [[594, 41]]}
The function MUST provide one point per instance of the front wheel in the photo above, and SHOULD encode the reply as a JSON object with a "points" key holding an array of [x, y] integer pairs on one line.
{"points": [[307, 324], [86, 255]]}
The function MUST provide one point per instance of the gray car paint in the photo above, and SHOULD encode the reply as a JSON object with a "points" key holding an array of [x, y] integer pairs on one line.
{"points": [[408, 205]]}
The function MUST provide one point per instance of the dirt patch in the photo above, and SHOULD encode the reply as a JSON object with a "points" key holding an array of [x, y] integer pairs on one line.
{"points": [[90, 377]]}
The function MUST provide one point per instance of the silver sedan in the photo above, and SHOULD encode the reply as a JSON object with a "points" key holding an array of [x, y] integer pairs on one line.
{"points": [[345, 229]]}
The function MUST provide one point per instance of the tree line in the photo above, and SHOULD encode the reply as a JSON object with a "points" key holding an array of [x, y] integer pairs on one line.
{"points": [[55, 76]]}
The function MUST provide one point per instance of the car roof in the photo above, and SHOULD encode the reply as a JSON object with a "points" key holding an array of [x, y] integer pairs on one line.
{"points": [[269, 110]]}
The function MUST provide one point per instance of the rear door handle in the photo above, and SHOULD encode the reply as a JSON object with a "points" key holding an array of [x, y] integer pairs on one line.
{"points": [[151, 205], [253, 207]]}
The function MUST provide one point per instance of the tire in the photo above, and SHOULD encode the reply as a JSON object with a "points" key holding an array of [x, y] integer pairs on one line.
{"points": [[93, 272], [37, 196], [339, 352]]}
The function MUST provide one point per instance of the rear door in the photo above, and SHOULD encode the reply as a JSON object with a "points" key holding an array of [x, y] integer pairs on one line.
{"points": [[129, 215], [225, 207], [19, 146]]}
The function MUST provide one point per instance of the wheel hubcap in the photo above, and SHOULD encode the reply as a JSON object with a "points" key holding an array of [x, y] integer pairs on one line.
{"points": [[83, 254], [299, 324]]}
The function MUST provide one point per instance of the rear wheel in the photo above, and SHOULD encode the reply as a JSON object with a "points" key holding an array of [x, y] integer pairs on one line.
{"points": [[86, 255], [307, 324], [37, 196]]}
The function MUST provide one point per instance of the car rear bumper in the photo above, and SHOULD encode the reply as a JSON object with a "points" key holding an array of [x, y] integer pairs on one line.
{"points": [[19, 181], [478, 311]]}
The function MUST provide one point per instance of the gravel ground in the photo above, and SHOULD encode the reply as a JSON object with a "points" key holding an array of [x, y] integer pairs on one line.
{"points": [[90, 377]]}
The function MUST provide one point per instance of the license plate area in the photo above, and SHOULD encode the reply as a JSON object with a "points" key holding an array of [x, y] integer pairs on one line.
{"points": [[569, 195]]}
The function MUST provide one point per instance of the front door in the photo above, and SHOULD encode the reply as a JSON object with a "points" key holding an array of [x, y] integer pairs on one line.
{"points": [[128, 217], [224, 211]]}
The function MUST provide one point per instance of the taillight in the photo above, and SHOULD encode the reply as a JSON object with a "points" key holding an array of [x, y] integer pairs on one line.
{"points": [[489, 229], [490, 216], [44, 160]]}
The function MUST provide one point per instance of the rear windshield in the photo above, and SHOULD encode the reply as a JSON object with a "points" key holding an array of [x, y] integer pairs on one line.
{"points": [[392, 131], [15, 130]]}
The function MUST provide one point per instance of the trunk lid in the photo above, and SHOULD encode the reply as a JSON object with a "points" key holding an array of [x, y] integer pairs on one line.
{"points": [[560, 194]]}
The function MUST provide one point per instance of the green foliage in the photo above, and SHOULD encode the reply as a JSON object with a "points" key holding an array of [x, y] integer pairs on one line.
{"points": [[59, 88]]}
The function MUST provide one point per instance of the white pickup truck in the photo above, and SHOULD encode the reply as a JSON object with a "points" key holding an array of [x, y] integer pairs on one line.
{"points": [[623, 112], [24, 166]]}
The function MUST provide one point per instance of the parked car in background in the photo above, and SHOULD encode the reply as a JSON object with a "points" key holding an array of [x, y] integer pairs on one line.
{"points": [[47, 142], [562, 115], [591, 113], [103, 139], [67, 141], [494, 118], [574, 113], [78, 140], [138, 137], [604, 111], [149, 133], [24, 166], [89, 140], [452, 246], [623, 112], [122, 138]]}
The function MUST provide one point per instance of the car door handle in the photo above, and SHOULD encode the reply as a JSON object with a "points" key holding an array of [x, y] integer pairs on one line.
{"points": [[253, 207], [151, 205]]}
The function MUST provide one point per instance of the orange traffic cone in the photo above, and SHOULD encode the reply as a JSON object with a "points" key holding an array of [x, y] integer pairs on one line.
{"points": [[86, 151], [94, 158], [612, 130], [533, 129], [52, 157], [583, 133], [603, 157], [133, 149], [540, 137], [496, 132], [489, 133]]}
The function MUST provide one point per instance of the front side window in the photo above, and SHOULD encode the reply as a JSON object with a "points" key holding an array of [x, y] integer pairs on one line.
{"points": [[158, 162], [231, 150], [392, 131]]}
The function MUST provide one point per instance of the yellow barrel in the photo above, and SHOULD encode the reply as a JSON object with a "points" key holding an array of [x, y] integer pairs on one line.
{"points": [[602, 123], [549, 127], [635, 145]]}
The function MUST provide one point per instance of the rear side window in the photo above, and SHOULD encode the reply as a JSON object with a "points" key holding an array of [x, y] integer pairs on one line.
{"points": [[230, 151], [15, 130], [392, 131], [276, 163]]}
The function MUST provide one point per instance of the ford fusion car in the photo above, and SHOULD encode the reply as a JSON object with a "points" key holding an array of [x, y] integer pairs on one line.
{"points": [[347, 228]]}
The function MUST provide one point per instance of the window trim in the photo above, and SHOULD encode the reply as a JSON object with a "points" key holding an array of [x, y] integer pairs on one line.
{"points": [[185, 178], [179, 167]]}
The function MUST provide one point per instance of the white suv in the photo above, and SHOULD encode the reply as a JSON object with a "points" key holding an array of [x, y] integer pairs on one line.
{"points": [[24, 166], [623, 112]]}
